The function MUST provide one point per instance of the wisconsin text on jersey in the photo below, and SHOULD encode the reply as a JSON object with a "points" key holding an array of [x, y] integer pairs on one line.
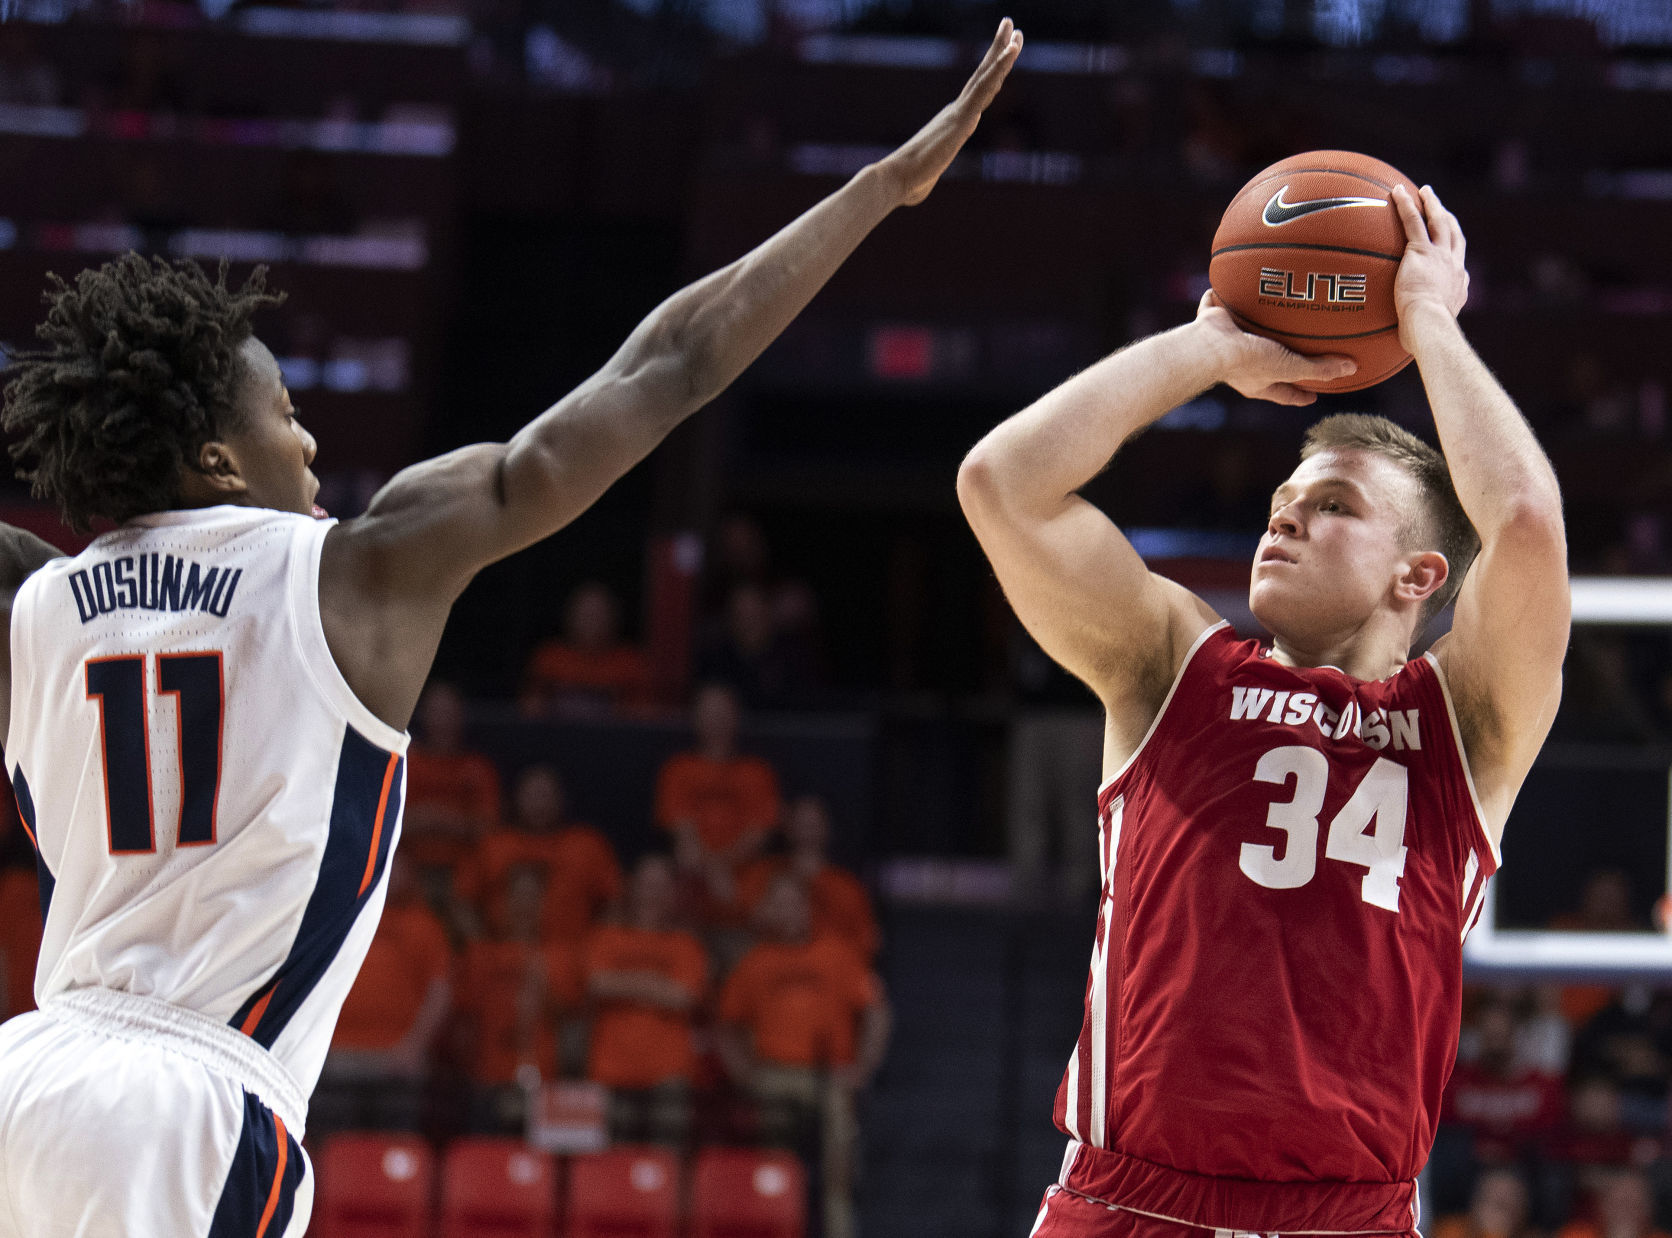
{"points": [[1377, 728], [153, 582]]}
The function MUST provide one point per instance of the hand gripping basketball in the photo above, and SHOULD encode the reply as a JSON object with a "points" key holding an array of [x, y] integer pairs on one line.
{"points": [[1261, 368], [1307, 253], [1432, 269]]}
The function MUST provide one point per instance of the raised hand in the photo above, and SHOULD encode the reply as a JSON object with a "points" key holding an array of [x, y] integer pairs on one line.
{"points": [[1432, 270], [1261, 368], [919, 163]]}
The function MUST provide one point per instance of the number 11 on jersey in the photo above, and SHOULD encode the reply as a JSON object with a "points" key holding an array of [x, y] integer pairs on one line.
{"points": [[198, 686]]}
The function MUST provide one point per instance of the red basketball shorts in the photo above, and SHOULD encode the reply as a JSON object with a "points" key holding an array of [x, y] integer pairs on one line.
{"points": [[1065, 1214]]}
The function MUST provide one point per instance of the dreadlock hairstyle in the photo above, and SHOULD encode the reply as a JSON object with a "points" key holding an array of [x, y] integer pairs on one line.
{"points": [[140, 369], [1442, 525]]}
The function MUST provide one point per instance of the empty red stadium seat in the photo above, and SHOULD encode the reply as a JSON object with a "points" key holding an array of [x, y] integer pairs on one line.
{"points": [[373, 1186], [497, 1188], [623, 1193], [747, 1193]]}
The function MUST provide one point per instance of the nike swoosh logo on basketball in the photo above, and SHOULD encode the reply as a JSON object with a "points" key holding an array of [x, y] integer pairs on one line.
{"points": [[1280, 212]]}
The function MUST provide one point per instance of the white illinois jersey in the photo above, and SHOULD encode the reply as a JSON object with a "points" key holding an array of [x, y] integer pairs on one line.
{"points": [[212, 808]]}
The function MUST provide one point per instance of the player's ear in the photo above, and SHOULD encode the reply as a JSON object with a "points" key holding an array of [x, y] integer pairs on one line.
{"points": [[1423, 574], [215, 474]]}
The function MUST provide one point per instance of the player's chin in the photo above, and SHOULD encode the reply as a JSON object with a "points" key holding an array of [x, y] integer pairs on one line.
{"points": [[1274, 603]]}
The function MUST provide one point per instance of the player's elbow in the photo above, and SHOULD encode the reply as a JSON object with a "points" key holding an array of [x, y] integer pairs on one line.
{"points": [[1532, 523], [979, 489]]}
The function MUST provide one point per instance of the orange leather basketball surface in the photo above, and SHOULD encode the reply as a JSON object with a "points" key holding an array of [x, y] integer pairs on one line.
{"points": [[1306, 254]]}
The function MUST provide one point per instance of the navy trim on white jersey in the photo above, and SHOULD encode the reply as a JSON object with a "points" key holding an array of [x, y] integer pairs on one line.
{"points": [[364, 808], [26, 810]]}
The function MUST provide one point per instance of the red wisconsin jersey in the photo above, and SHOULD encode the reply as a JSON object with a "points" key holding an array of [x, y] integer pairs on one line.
{"points": [[1291, 861]]}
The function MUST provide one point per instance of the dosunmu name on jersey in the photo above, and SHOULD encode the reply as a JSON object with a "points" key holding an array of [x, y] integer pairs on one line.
{"points": [[153, 582]]}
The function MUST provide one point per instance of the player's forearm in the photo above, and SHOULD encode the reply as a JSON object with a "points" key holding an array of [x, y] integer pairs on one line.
{"points": [[685, 352], [1502, 476], [1046, 452], [723, 322]]}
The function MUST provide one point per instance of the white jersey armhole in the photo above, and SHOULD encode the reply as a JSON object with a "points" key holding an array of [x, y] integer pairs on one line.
{"points": [[1189, 655], [18, 633], [1463, 757], [315, 651]]}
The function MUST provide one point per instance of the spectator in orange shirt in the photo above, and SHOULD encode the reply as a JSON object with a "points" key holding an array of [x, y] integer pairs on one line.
{"points": [[841, 904], [644, 980], [803, 1025], [591, 671], [583, 877], [20, 938], [719, 804], [380, 1054], [452, 793], [517, 991]]}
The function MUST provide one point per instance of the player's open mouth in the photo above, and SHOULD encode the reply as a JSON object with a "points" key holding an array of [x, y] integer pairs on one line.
{"points": [[1274, 555], [319, 513]]}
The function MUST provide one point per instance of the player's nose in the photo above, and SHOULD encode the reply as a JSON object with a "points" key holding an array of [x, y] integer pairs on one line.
{"points": [[1283, 520]]}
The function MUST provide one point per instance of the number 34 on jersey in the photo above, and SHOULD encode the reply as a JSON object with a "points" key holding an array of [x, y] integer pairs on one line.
{"points": [[1368, 831]]}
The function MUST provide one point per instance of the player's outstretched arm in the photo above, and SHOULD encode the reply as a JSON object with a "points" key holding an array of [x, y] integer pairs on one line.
{"points": [[1075, 581], [389, 577], [450, 516], [1503, 655]]}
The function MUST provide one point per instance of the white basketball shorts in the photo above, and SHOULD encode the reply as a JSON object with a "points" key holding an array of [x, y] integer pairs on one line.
{"points": [[122, 1116]]}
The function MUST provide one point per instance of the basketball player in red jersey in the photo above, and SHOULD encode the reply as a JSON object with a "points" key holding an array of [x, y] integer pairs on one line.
{"points": [[1295, 836]]}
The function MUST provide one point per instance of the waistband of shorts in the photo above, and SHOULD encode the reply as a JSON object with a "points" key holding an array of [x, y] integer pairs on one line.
{"points": [[1238, 1204], [206, 1041]]}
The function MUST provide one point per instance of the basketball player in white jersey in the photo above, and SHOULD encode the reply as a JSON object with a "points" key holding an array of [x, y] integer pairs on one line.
{"points": [[1296, 834], [204, 713]]}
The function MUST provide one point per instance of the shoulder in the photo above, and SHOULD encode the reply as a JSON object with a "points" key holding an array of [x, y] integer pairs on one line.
{"points": [[748, 976], [583, 838], [838, 880], [1191, 671], [688, 945], [835, 953], [560, 955], [757, 962], [757, 874], [684, 765], [755, 770], [481, 955]]}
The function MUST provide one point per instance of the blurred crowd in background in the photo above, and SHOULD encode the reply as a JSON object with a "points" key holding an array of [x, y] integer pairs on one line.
{"points": [[687, 771]]}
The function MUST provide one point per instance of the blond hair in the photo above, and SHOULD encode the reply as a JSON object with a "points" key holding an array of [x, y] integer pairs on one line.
{"points": [[1445, 526]]}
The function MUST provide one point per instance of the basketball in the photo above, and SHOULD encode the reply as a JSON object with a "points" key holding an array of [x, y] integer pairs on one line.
{"points": [[1306, 254]]}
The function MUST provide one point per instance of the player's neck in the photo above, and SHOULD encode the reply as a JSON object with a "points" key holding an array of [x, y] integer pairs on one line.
{"points": [[1367, 655]]}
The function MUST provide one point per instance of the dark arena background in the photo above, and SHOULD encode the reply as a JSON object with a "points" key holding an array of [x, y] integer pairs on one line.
{"points": [[471, 202]]}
